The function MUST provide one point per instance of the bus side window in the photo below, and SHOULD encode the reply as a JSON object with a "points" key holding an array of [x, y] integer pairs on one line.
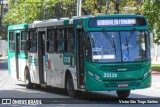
{"points": [[59, 40], [50, 41], [68, 40], [11, 42], [33, 42], [24, 41]]}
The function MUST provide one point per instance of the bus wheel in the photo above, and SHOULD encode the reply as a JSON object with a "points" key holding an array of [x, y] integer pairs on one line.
{"points": [[28, 83], [37, 86], [70, 87], [123, 93]]}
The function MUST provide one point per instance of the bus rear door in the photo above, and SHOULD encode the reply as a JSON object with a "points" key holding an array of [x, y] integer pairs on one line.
{"points": [[17, 54], [80, 57], [42, 57], [14, 45]]}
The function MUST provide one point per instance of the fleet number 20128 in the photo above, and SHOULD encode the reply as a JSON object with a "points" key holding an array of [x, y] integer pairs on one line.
{"points": [[110, 75]]}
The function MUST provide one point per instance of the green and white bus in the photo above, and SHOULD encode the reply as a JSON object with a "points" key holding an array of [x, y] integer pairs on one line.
{"points": [[17, 50], [90, 53]]}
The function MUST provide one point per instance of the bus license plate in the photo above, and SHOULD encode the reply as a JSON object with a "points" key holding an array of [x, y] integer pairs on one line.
{"points": [[122, 85]]}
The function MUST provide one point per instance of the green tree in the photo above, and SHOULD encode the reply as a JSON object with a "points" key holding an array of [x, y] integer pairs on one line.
{"points": [[151, 10], [26, 11]]}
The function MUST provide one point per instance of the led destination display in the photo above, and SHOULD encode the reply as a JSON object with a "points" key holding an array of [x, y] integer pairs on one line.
{"points": [[106, 22]]}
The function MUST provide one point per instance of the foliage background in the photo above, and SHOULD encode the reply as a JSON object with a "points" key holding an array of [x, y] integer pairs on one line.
{"points": [[26, 11]]}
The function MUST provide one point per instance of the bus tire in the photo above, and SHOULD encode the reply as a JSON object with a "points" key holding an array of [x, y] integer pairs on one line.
{"points": [[123, 93], [70, 86], [36, 86], [28, 83]]}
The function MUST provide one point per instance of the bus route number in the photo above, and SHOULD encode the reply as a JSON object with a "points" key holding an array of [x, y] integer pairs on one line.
{"points": [[110, 75]]}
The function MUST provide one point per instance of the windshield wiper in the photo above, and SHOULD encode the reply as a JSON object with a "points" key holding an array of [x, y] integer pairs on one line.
{"points": [[127, 45], [129, 39], [112, 42], [130, 36]]}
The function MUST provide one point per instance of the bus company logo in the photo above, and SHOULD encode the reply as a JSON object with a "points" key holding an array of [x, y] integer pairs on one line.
{"points": [[6, 101], [122, 69], [17, 27], [67, 59]]}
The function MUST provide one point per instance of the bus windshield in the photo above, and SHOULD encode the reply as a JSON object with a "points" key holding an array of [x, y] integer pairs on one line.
{"points": [[122, 46]]}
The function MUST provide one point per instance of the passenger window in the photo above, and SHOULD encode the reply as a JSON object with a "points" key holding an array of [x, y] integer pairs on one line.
{"points": [[59, 40], [24, 41], [50, 41], [68, 40], [11, 42], [32, 42]]}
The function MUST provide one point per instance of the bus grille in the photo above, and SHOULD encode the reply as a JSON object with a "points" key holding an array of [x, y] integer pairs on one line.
{"points": [[120, 68]]}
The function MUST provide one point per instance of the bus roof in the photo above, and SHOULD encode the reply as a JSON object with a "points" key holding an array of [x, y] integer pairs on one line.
{"points": [[74, 20], [46, 23], [107, 15]]}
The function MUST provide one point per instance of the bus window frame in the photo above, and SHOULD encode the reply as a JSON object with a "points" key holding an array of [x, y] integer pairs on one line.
{"points": [[30, 41], [25, 41], [11, 41], [67, 40], [58, 39], [49, 39]]}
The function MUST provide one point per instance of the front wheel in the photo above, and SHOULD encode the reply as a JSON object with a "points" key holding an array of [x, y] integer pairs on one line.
{"points": [[123, 93], [28, 83], [70, 87]]}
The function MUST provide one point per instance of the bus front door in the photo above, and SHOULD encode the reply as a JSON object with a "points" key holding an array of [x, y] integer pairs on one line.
{"points": [[42, 58], [17, 55], [80, 57]]}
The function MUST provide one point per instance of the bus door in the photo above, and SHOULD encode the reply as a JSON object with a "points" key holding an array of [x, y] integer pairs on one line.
{"points": [[57, 58], [80, 57], [17, 54], [42, 58]]}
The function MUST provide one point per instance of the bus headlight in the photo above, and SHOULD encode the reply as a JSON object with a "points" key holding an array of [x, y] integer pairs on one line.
{"points": [[90, 73], [97, 77], [145, 74]]}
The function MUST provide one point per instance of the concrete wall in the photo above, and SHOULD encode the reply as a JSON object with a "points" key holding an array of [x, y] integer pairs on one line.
{"points": [[3, 47], [155, 53]]}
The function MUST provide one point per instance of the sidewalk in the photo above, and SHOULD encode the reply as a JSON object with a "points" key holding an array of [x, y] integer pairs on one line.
{"points": [[157, 85], [157, 63]]}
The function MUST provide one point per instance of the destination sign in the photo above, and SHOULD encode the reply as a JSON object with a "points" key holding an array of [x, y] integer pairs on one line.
{"points": [[116, 22], [106, 22]]}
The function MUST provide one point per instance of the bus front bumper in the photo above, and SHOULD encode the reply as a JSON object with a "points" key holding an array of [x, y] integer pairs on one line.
{"points": [[98, 85]]}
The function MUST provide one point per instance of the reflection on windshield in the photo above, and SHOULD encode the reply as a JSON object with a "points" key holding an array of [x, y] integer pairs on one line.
{"points": [[119, 46], [103, 46]]}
